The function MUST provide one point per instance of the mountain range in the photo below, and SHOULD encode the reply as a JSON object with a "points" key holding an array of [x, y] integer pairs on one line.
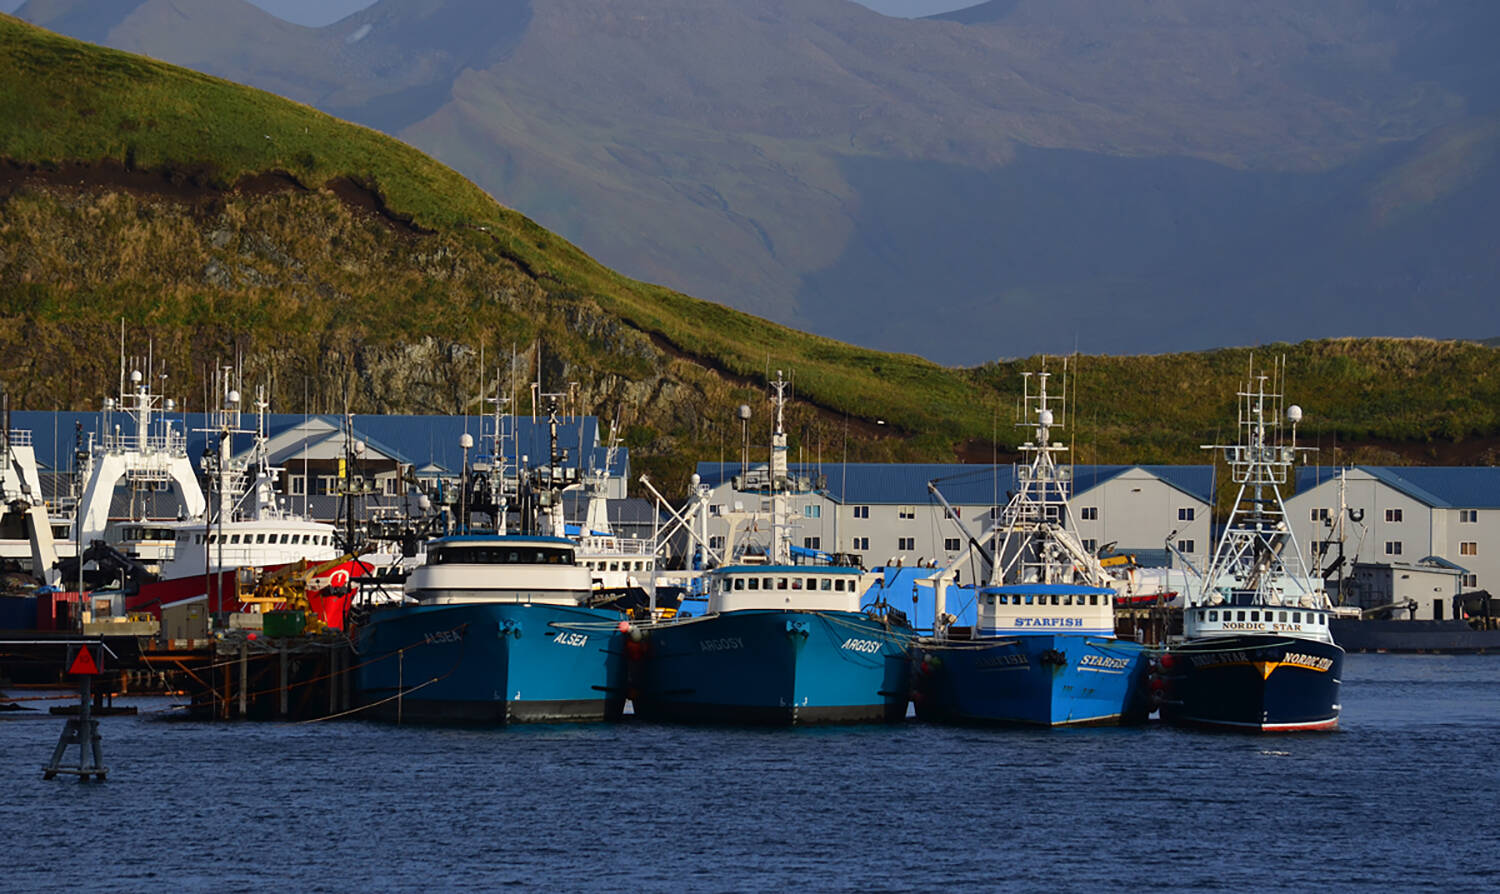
{"points": [[1119, 176]]}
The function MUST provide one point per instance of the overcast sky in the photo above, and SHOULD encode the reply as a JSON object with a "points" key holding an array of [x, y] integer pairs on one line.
{"points": [[322, 12]]}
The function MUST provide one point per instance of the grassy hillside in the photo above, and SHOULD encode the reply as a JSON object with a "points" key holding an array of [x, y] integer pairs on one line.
{"points": [[352, 271]]}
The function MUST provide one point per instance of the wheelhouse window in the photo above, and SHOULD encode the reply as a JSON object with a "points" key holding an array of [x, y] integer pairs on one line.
{"points": [[496, 554]]}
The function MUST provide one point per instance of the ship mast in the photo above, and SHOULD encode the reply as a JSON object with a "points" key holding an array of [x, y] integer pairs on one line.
{"points": [[781, 550], [1257, 555]]}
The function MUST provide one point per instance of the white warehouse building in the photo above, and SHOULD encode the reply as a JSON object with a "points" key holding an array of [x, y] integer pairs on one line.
{"points": [[883, 512], [1402, 515]]}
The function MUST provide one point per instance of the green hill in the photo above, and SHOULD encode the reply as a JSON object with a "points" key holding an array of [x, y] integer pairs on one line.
{"points": [[350, 271]]}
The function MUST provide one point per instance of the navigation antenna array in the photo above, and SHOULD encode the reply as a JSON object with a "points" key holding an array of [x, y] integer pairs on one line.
{"points": [[1258, 548]]}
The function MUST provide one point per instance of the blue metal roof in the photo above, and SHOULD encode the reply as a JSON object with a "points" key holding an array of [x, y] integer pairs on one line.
{"points": [[413, 439], [1441, 487], [960, 484]]}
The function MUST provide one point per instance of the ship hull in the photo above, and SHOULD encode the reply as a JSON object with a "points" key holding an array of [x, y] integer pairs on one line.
{"points": [[771, 667], [1044, 680], [1412, 636], [490, 663], [1253, 683]]}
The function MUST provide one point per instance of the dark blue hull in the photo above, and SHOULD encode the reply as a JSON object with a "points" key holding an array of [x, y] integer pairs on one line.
{"points": [[1042, 680], [1253, 683], [490, 663], [1412, 636], [772, 667]]}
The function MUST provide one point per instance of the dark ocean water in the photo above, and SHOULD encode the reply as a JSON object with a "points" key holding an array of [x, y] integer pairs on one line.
{"points": [[1403, 798]]}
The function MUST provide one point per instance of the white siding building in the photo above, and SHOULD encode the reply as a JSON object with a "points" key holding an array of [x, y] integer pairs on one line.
{"points": [[884, 512], [1403, 514]]}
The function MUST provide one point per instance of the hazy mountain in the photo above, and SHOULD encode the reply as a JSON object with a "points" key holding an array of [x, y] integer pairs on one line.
{"points": [[1024, 175]]}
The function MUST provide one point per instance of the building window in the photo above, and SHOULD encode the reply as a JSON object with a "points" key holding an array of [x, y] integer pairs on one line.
{"points": [[1469, 581], [811, 511], [716, 543], [1468, 516], [861, 512], [861, 543], [1089, 513], [955, 512], [906, 512], [1468, 548], [390, 486], [952, 544], [296, 485], [1320, 514], [1185, 513], [328, 484], [1186, 546], [1393, 515], [1393, 547], [812, 542], [1090, 545], [906, 543]]}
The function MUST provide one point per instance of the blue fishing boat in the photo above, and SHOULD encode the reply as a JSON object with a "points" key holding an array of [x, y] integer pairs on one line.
{"points": [[1042, 650], [773, 642], [498, 631], [1257, 652], [496, 627]]}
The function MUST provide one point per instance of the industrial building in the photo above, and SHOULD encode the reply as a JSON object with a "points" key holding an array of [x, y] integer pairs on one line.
{"points": [[1401, 515], [884, 513]]}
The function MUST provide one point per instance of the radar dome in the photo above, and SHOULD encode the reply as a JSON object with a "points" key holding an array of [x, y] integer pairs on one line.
{"points": [[1045, 417], [1294, 414], [466, 440]]}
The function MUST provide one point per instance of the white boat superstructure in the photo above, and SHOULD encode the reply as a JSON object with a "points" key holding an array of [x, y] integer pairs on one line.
{"points": [[1257, 581], [245, 527], [469, 568], [1042, 578]]}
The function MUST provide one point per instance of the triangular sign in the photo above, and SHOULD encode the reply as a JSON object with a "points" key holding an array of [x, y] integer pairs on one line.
{"points": [[84, 663]]}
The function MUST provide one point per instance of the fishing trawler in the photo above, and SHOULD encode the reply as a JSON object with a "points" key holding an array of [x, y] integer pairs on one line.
{"points": [[775, 643], [1043, 649], [1256, 652], [496, 627], [199, 553]]}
